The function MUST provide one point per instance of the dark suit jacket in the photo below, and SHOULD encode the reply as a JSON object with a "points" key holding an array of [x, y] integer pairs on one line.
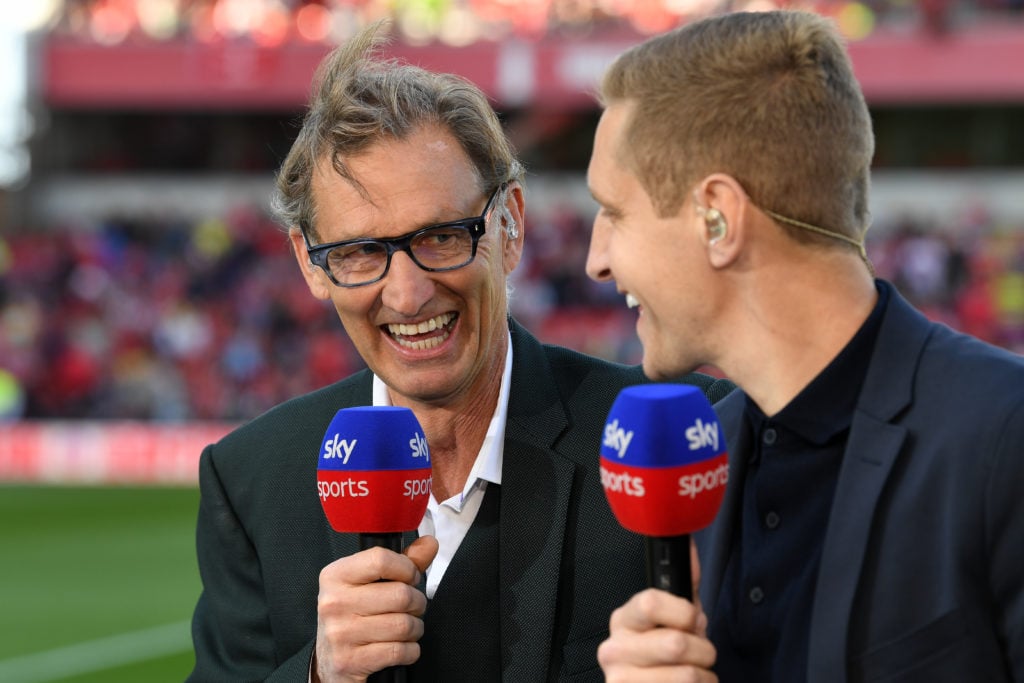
{"points": [[922, 572], [564, 563]]}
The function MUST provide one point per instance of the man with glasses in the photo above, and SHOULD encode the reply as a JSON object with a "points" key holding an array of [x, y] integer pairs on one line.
{"points": [[873, 524], [405, 209]]}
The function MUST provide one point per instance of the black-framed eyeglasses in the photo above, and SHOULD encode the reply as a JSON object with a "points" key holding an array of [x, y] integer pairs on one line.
{"points": [[435, 248]]}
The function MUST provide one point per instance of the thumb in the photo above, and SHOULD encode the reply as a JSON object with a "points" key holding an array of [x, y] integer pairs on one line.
{"points": [[422, 552]]}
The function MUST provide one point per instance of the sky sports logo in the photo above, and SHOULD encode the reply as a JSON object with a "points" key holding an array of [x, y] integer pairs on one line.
{"points": [[699, 435], [630, 483], [374, 500], [702, 434], [339, 449], [692, 485], [665, 501], [617, 438], [359, 488]]}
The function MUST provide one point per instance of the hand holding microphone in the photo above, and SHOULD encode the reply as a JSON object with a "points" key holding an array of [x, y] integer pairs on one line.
{"points": [[664, 469], [373, 478]]}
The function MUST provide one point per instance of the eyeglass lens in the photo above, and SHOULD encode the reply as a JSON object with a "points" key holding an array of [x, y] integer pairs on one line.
{"points": [[443, 247]]}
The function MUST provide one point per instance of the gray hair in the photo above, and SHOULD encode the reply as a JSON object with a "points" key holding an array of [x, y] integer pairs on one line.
{"points": [[359, 99]]}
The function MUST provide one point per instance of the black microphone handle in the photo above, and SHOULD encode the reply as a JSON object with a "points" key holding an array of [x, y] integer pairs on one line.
{"points": [[668, 564], [392, 541]]}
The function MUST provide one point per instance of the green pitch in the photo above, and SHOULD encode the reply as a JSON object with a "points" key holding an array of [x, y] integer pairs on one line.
{"points": [[96, 584]]}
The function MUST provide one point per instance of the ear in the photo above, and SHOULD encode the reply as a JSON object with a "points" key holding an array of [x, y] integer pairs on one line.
{"points": [[512, 242], [722, 207], [316, 279]]}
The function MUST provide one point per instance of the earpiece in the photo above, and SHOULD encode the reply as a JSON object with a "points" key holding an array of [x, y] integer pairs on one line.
{"points": [[713, 219], [511, 229], [717, 227]]}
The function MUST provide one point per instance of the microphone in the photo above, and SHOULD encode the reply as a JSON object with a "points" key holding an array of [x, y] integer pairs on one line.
{"points": [[373, 478], [664, 468]]}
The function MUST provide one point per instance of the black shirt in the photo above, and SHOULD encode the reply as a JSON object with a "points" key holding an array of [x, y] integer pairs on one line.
{"points": [[760, 626]]}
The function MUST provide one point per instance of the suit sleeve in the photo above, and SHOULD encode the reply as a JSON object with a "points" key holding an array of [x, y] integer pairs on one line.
{"points": [[1005, 535], [230, 627]]}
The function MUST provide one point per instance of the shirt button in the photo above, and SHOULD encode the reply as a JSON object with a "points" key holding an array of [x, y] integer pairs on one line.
{"points": [[769, 437], [771, 520], [756, 595]]}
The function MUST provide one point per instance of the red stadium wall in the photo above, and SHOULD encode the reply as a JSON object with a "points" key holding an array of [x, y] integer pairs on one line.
{"points": [[979, 63], [104, 452]]}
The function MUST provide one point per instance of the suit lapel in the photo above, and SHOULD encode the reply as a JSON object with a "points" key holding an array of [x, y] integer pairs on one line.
{"points": [[536, 484], [873, 447]]}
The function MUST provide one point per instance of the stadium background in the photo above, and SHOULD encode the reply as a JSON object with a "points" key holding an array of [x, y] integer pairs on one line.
{"points": [[148, 302]]}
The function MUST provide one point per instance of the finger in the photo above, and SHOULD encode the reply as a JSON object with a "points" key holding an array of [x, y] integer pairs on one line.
{"points": [[358, 663], [659, 647], [368, 566], [422, 552], [371, 629], [652, 608], [368, 659], [380, 597]]}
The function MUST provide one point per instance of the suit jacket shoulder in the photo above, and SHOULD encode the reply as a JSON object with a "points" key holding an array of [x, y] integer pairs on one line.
{"points": [[929, 501]]}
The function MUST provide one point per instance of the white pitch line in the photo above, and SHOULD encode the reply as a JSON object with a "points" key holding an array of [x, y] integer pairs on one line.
{"points": [[97, 655]]}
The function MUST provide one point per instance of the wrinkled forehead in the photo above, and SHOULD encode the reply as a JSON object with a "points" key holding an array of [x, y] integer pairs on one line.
{"points": [[394, 187]]}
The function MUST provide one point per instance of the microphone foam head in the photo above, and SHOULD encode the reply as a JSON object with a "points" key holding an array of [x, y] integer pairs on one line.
{"points": [[373, 473], [664, 464]]}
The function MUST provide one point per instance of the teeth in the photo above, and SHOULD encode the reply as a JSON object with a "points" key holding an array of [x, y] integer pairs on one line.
{"points": [[422, 344], [407, 330], [631, 301]]}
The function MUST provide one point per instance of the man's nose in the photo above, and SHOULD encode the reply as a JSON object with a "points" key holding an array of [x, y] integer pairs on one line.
{"points": [[407, 287], [597, 256]]}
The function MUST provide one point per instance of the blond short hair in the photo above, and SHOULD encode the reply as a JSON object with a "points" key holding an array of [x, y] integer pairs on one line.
{"points": [[769, 98]]}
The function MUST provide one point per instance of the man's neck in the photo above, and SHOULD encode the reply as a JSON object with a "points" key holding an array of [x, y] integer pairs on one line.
{"points": [[455, 429], [792, 328], [455, 435]]}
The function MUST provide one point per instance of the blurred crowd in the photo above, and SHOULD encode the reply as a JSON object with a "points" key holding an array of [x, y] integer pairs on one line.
{"points": [[166, 319], [270, 23]]}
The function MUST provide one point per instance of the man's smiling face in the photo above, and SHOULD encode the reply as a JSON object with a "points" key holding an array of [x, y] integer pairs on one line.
{"points": [[430, 336]]}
